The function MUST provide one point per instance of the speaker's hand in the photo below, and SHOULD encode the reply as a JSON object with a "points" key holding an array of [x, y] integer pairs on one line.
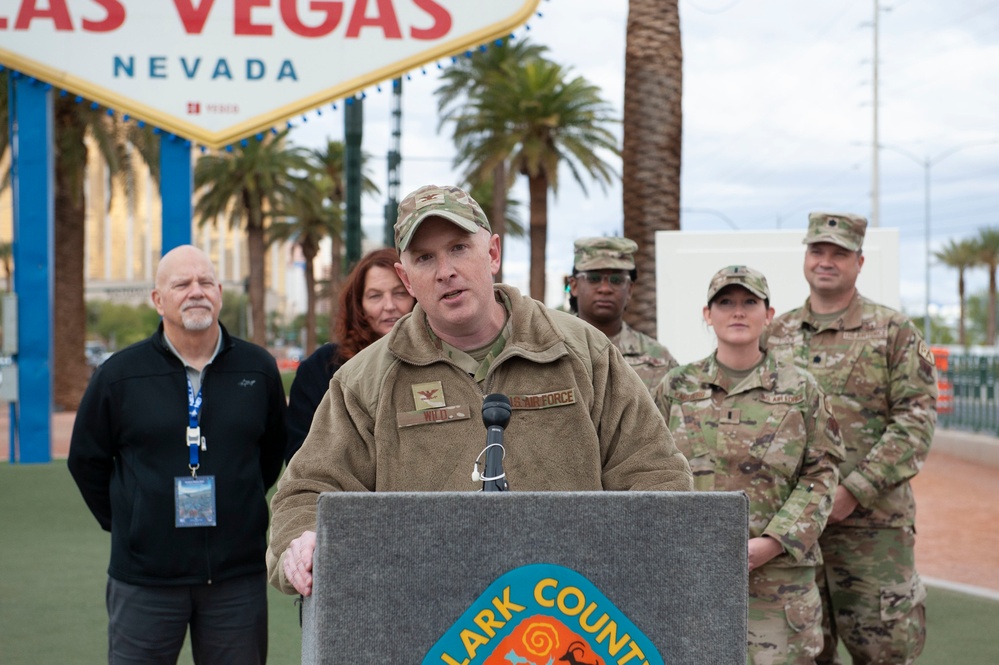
{"points": [[297, 562]]}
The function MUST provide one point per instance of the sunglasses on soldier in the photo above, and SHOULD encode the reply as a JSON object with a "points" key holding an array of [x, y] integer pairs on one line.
{"points": [[616, 280]]}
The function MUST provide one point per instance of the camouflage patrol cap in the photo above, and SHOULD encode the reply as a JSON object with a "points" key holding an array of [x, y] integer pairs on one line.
{"points": [[744, 276], [604, 254], [843, 229], [450, 203]]}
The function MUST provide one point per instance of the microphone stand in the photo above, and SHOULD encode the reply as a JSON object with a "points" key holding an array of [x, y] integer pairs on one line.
{"points": [[495, 415]]}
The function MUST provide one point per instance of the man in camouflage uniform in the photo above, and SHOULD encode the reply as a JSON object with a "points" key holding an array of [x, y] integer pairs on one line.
{"points": [[748, 423], [405, 414], [879, 377], [603, 276]]}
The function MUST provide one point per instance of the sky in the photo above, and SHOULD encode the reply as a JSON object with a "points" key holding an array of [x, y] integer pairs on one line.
{"points": [[777, 121]]}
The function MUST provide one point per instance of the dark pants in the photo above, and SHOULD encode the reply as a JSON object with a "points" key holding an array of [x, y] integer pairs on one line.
{"points": [[228, 622]]}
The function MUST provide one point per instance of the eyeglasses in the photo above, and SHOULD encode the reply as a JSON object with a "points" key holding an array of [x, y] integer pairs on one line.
{"points": [[615, 279]]}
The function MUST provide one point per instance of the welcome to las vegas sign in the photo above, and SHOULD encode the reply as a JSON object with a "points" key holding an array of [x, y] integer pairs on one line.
{"points": [[216, 71]]}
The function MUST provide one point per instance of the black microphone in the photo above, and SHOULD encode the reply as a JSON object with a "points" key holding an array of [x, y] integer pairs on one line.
{"points": [[495, 416]]}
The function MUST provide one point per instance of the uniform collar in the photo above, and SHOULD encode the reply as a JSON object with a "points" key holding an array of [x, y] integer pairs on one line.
{"points": [[533, 334], [851, 319], [764, 376]]}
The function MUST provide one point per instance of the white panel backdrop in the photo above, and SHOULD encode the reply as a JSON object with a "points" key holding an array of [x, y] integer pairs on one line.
{"points": [[686, 260]]}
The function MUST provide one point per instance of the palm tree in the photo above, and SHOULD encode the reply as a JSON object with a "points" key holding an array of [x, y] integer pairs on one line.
{"points": [[462, 82], [959, 255], [311, 219], [73, 121], [653, 122], [247, 185], [483, 191], [329, 160], [987, 245], [69, 316], [547, 120]]}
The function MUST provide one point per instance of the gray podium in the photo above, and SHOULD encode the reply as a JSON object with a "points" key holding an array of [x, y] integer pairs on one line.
{"points": [[405, 578]]}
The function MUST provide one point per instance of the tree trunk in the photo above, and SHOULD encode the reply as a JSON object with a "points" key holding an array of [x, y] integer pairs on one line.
{"points": [[70, 372], [310, 301], [336, 278], [256, 251], [8, 274], [962, 334], [991, 325], [653, 125], [497, 216], [538, 186]]}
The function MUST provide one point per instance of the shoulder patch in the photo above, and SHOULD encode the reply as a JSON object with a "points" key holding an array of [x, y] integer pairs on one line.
{"points": [[926, 354]]}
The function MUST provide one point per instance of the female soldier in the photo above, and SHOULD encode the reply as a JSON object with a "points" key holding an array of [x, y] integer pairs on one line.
{"points": [[747, 423]]}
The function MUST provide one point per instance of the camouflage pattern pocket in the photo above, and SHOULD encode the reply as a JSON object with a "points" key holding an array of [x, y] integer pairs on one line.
{"points": [[898, 600]]}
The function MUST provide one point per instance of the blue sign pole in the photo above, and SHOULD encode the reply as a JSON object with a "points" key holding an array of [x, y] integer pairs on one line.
{"points": [[176, 190], [33, 173]]}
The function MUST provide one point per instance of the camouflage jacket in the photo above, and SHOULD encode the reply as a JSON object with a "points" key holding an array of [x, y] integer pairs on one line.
{"points": [[771, 436], [880, 378], [650, 359]]}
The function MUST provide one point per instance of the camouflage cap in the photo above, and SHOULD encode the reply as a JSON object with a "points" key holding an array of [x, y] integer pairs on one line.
{"points": [[749, 279], [604, 254], [450, 203], [843, 229]]}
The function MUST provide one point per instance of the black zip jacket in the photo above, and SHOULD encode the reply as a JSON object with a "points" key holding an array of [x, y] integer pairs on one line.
{"points": [[312, 380], [129, 444]]}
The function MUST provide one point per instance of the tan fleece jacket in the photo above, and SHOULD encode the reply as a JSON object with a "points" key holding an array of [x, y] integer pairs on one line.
{"points": [[582, 421]]}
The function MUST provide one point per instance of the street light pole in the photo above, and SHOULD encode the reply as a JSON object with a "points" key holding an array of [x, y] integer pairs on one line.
{"points": [[927, 328], [927, 163]]}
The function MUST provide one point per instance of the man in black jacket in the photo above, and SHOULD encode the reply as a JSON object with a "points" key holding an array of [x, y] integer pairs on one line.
{"points": [[188, 523]]}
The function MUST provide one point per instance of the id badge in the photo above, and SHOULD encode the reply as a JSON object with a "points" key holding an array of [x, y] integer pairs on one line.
{"points": [[194, 501]]}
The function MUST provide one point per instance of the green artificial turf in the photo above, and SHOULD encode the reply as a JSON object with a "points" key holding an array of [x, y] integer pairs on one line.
{"points": [[286, 379], [53, 563], [53, 572]]}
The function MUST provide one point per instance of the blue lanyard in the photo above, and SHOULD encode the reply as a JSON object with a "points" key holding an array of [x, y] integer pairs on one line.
{"points": [[193, 430]]}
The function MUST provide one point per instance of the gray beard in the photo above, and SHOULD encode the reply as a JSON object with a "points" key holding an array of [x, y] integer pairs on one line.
{"points": [[196, 321]]}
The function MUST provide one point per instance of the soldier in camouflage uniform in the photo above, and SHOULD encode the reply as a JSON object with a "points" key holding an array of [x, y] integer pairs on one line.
{"points": [[879, 376], [748, 423], [603, 276]]}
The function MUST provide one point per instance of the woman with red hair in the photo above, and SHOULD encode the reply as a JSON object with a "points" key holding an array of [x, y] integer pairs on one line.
{"points": [[372, 300]]}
